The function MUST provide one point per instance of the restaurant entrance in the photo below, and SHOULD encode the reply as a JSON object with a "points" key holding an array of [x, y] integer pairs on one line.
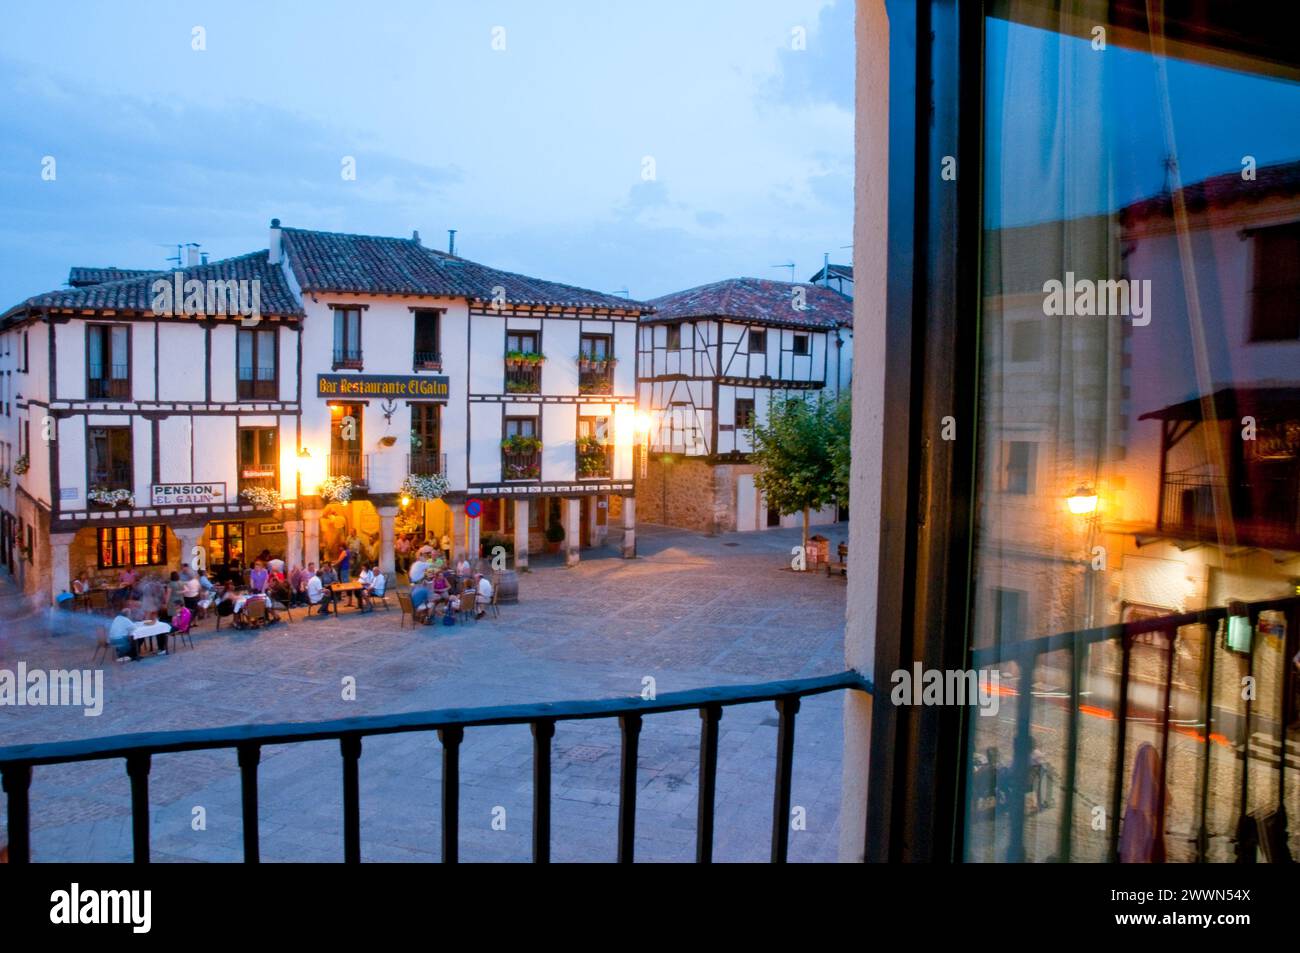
{"points": [[225, 551]]}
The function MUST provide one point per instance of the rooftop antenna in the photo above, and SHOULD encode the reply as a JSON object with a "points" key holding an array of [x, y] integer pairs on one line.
{"points": [[1171, 166], [451, 241], [789, 265]]}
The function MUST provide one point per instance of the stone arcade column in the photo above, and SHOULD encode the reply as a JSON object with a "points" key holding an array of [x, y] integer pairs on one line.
{"points": [[187, 537], [571, 519], [521, 535], [387, 516], [60, 564], [293, 545], [457, 528], [310, 537], [629, 527]]}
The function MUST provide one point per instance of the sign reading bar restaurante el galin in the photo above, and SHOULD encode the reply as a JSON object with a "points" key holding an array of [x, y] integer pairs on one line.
{"points": [[187, 494], [429, 387]]}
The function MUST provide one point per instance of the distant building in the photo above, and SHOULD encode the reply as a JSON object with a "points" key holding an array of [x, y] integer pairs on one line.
{"points": [[709, 361], [839, 277]]}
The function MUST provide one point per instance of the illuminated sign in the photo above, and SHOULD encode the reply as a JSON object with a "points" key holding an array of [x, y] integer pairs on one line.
{"points": [[424, 387]]}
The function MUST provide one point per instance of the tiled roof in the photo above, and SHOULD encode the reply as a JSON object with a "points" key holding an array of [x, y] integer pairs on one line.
{"points": [[81, 277], [370, 264], [1271, 181], [136, 294], [756, 299]]}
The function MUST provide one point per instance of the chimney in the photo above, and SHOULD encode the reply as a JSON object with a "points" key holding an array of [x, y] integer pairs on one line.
{"points": [[451, 241], [415, 236], [273, 253], [203, 258], [191, 255]]}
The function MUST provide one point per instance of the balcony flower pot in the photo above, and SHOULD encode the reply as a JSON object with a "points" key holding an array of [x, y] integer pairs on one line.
{"points": [[336, 489], [424, 487], [21, 465], [110, 499], [261, 497], [521, 444]]}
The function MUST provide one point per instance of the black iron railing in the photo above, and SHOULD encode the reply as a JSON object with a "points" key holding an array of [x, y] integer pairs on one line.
{"points": [[594, 461], [1198, 714], [521, 466], [17, 762], [523, 378], [257, 384], [115, 477], [595, 378], [108, 381], [259, 475], [420, 463], [427, 361], [1261, 509], [347, 357], [354, 466]]}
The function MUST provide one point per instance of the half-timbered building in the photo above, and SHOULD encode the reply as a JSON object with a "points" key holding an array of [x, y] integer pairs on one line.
{"points": [[710, 361], [147, 429]]}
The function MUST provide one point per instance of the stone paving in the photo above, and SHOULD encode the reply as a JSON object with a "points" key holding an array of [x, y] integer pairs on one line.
{"points": [[691, 611]]}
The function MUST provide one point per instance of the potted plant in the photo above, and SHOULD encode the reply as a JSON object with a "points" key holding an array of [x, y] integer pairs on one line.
{"points": [[336, 489], [554, 536], [521, 444], [262, 497], [103, 496], [21, 465], [425, 487]]}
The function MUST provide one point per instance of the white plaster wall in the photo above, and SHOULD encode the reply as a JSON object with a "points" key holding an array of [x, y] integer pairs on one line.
{"points": [[560, 372], [485, 440], [175, 439], [70, 345], [224, 365], [625, 350], [559, 430], [72, 460], [487, 367], [181, 353]]}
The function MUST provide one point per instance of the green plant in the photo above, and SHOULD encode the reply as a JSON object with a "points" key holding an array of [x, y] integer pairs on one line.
{"points": [[336, 489], [21, 465], [521, 444], [802, 453]]}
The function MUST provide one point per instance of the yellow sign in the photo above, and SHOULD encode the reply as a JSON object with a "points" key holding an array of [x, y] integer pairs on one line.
{"points": [[425, 387]]}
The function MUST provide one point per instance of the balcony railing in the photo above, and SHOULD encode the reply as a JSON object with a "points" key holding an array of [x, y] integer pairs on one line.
{"points": [[521, 466], [523, 378], [426, 464], [354, 466], [1053, 671], [427, 361], [597, 461], [1262, 510], [116, 477], [347, 357], [115, 385], [595, 379], [18, 762], [258, 384]]}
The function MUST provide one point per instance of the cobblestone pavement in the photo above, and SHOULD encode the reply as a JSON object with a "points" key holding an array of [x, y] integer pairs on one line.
{"points": [[692, 611]]}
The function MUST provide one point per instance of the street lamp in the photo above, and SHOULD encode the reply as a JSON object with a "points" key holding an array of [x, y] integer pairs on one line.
{"points": [[1082, 501]]}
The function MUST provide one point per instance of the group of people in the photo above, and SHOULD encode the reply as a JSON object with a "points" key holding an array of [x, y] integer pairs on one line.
{"points": [[434, 584], [176, 601], [407, 549], [315, 587]]}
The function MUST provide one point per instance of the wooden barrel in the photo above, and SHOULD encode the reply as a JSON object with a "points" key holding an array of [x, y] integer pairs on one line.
{"points": [[508, 587]]}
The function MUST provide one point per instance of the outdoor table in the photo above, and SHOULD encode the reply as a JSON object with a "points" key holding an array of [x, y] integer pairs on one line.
{"points": [[338, 587], [147, 630]]}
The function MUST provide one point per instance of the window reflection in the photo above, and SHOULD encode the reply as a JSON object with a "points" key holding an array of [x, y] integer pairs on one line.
{"points": [[1139, 454]]}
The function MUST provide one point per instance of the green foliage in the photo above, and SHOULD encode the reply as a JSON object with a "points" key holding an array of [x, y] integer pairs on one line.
{"points": [[802, 453]]}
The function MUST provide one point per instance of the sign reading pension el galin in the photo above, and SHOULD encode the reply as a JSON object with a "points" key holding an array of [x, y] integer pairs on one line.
{"points": [[186, 494], [425, 387]]}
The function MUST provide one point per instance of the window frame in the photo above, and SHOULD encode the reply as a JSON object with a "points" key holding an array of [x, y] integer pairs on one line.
{"points": [[256, 334], [105, 329], [344, 358]]}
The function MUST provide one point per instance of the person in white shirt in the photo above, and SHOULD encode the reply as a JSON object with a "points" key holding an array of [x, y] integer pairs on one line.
{"points": [[418, 569], [315, 591], [378, 582], [119, 636], [484, 594]]}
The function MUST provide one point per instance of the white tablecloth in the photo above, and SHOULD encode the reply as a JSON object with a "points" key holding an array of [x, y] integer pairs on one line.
{"points": [[146, 630]]}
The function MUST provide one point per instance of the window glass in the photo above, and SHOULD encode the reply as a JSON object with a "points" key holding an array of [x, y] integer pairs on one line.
{"points": [[1138, 454]]}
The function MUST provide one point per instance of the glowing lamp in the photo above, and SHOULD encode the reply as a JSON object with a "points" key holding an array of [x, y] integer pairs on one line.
{"points": [[1082, 501]]}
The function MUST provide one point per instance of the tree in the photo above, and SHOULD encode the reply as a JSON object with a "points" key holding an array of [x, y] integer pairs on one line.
{"points": [[802, 454]]}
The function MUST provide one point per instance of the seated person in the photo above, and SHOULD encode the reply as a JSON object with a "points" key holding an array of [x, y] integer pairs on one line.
{"points": [[484, 595], [419, 569], [258, 577], [441, 588], [421, 603], [119, 636], [316, 591]]}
